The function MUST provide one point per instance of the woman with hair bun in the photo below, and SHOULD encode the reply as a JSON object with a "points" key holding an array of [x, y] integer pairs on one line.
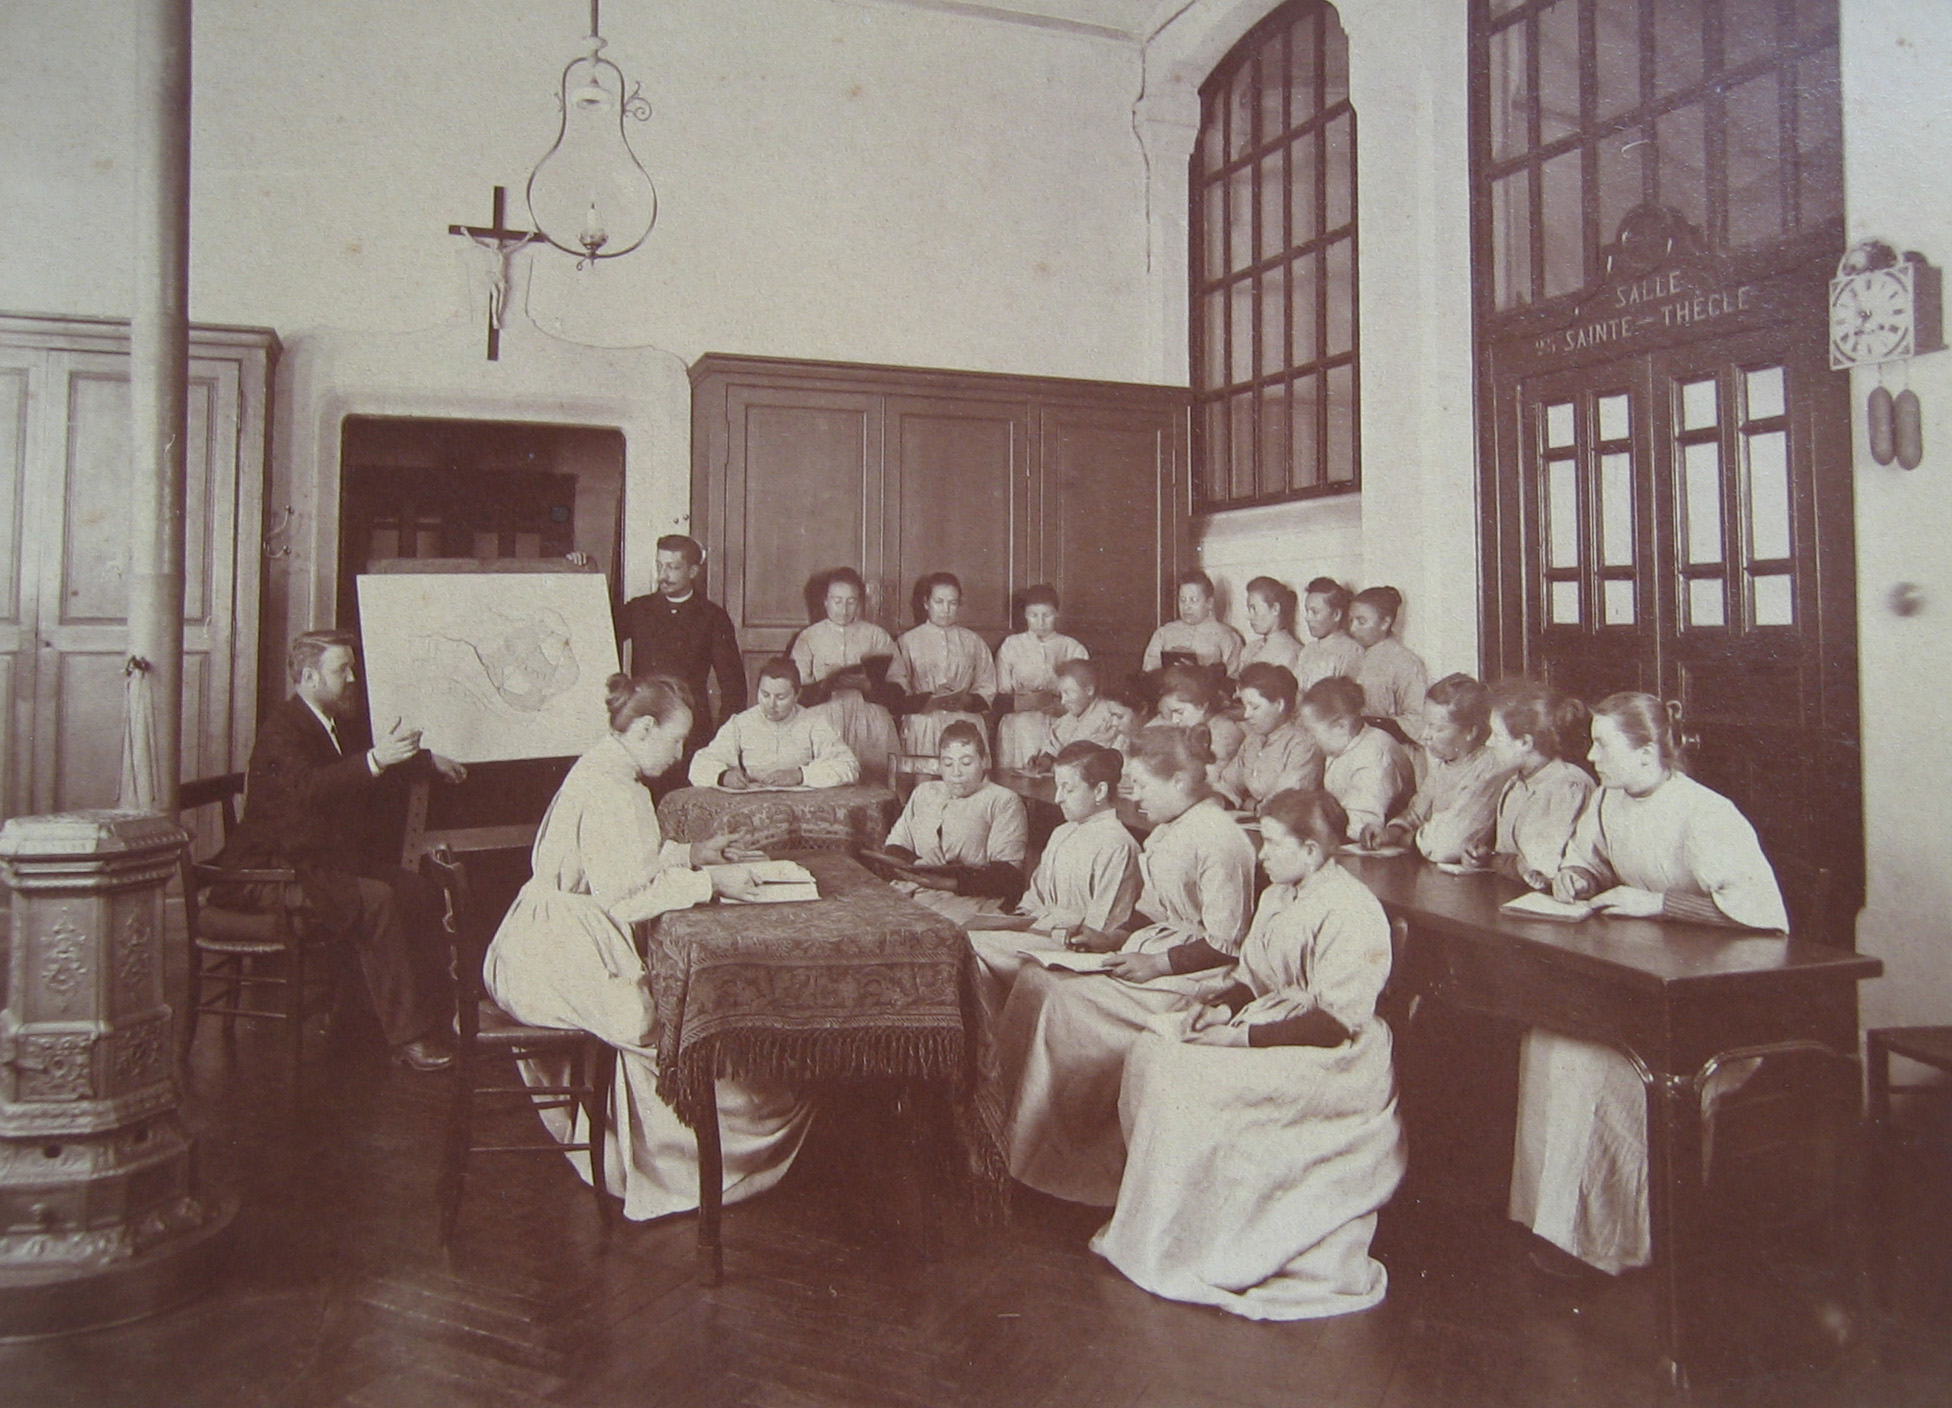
{"points": [[1277, 754], [565, 957], [1262, 1128], [1331, 651], [1062, 1039], [1027, 680], [1194, 698], [1536, 731], [1271, 608], [1366, 770], [1650, 842]]}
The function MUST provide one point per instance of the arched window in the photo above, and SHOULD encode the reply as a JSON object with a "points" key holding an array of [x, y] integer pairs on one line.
{"points": [[1273, 267]]}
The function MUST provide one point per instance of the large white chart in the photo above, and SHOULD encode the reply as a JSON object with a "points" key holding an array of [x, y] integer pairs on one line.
{"points": [[489, 666]]}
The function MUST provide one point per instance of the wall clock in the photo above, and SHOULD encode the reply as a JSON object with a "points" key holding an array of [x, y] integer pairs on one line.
{"points": [[1883, 308]]}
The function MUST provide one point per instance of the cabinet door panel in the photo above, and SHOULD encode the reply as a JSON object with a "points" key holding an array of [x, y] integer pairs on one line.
{"points": [[78, 716], [1108, 525], [960, 470], [801, 496], [805, 469]]}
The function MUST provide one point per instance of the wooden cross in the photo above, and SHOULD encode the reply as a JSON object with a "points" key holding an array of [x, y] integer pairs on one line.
{"points": [[505, 242]]}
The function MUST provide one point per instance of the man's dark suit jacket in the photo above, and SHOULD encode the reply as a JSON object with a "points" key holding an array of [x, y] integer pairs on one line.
{"points": [[306, 806], [691, 639]]}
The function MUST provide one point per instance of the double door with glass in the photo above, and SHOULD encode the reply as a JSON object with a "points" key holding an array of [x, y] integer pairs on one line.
{"points": [[1683, 528]]}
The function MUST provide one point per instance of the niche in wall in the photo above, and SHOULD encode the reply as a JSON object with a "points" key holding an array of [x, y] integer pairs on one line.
{"points": [[415, 487]]}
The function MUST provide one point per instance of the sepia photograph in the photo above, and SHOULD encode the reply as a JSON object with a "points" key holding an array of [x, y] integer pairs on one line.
{"points": [[992, 703]]}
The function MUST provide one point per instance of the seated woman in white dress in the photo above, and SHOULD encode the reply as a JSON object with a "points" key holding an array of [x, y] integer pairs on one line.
{"points": [[1197, 632], [1195, 698], [776, 743], [1330, 650], [1026, 680], [1367, 771], [1277, 753], [1456, 806], [1082, 716], [1393, 677], [1651, 842], [944, 670], [1536, 732], [1261, 1130], [959, 845], [564, 957], [1271, 607], [836, 658], [1062, 1039], [1087, 878]]}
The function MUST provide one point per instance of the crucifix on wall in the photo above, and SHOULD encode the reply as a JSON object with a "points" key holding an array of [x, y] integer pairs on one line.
{"points": [[502, 243]]}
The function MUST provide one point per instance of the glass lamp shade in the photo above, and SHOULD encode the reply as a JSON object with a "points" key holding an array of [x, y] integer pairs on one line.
{"points": [[589, 195]]}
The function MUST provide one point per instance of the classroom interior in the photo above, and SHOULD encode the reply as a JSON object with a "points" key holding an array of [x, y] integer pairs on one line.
{"points": [[1033, 290]]}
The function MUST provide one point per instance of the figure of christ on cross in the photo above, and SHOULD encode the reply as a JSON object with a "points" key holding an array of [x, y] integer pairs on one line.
{"points": [[504, 242]]}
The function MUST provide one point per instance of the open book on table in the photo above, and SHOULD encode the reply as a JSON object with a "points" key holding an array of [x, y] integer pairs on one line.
{"points": [[781, 881]]}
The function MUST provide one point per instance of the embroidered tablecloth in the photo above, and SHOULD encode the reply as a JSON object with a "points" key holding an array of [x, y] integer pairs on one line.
{"points": [[861, 982], [818, 819]]}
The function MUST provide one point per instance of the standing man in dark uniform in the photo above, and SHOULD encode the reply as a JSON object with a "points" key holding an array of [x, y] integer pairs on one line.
{"points": [[313, 770], [676, 631]]}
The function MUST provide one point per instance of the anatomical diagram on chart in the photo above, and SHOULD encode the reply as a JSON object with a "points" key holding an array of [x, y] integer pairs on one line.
{"points": [[489, 666]]}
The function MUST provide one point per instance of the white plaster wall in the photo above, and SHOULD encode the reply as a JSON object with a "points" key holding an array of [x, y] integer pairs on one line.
{"points": [[1408, 81], [836, 180], [1897, 127]]}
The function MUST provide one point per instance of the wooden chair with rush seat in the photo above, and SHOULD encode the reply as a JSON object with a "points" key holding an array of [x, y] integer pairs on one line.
{"points": [[271, 943], [489, 1042]]}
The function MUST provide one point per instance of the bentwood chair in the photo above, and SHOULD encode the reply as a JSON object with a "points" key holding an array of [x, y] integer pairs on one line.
{"points": [[491, 1041], [249, 933]]}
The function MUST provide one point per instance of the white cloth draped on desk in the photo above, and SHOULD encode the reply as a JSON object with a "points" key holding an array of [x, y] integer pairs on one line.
{"points": [[1062, 1039], [1579, 1175], [1024, 665], [1253, 1175], [560, 959]]}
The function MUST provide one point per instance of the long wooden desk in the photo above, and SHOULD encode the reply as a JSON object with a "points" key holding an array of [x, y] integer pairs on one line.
{"points": [[1675, 999]]}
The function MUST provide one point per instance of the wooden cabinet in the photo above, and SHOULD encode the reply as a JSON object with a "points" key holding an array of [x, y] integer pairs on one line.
{"points": [[799, 467], [64, 554]]}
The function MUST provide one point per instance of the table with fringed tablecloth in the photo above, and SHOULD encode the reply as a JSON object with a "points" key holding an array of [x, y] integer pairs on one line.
{"points": [[861, 983], [776, 820]]}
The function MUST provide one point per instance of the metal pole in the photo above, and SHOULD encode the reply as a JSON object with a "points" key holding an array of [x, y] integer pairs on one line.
{"points": [[159, 346]]}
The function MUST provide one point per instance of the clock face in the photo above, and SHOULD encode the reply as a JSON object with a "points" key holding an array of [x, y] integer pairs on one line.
{"points": [[1870, 318]]}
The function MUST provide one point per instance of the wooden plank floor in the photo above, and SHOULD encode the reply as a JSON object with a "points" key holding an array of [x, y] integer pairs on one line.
{"points": [[338, 1294]]}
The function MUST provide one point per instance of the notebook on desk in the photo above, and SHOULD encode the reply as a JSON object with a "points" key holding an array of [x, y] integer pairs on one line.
{"points": [[1535, 905]]}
